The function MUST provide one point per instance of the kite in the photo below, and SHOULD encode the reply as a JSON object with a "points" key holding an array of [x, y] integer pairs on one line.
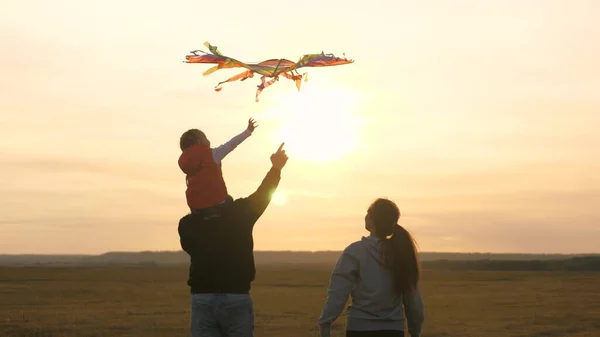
{"points": [[272, 68]]}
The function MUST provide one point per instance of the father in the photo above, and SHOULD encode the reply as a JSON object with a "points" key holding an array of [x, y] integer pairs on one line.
{"points": [[220, 245]]}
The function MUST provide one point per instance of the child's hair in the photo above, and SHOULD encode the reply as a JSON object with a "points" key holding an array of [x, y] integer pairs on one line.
{"points": [[190, 137]]}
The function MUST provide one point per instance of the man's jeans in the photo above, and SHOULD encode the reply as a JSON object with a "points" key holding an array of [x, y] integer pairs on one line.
{"points": [[222, 315]]}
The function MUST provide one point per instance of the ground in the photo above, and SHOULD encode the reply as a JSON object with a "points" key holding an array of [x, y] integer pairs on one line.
{"points": [[154, 302]]}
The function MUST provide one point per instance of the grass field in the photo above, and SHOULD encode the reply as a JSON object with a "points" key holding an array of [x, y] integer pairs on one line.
{"points": [[154, 302]]}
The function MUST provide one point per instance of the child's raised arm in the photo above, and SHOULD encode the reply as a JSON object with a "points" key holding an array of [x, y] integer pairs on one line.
{"points": [[223, 150]]}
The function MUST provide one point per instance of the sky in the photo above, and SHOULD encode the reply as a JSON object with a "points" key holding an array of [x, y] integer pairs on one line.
{"points": [[478, 118]]}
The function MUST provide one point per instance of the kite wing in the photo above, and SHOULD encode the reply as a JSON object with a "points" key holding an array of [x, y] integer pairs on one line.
{"points": [[272, 68]]}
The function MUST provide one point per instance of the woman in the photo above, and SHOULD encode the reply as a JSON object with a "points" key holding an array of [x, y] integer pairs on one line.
{"points": [[381, 272]]}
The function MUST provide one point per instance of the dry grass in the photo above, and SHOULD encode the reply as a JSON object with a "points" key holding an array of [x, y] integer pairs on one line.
{"points": [[154, 302]]}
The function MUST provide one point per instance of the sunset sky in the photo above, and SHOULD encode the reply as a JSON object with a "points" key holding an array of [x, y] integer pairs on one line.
{"points": [[479, 118]]}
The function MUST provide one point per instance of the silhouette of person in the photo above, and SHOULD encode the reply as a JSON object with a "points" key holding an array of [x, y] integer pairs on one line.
{"points": [[220, 244], [381, 273]]}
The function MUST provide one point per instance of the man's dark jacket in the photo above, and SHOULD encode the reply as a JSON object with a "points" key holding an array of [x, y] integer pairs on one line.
{"points": [[220, 244]]}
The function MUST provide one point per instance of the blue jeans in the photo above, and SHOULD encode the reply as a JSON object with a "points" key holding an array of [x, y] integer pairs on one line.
{"points": [[222, 315]]}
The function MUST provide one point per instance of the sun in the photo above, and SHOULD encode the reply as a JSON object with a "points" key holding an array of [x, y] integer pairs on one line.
{"points": [[279, 198], [318, 124]]}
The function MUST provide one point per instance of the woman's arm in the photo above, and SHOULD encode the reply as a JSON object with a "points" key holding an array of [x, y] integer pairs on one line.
{"points": [[343, 277], [414, 310]]}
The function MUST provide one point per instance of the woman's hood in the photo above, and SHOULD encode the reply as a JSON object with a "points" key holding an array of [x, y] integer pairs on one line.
{"points": [[372, 245]]}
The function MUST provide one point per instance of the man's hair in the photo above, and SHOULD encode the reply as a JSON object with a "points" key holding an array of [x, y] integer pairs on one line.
{"points": [[190, 137]]}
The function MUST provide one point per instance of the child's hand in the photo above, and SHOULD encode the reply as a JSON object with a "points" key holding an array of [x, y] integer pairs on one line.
{"points": [[252, 125]]}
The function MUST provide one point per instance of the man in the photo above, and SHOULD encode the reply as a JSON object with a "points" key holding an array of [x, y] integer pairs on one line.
{"points": [[220, 244]]}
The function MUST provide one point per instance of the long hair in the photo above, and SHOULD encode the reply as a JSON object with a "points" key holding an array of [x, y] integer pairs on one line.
{"points": [[398, 246]]}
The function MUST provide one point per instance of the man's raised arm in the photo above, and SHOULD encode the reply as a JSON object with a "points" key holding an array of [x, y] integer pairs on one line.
{"points": [[258, 201]]}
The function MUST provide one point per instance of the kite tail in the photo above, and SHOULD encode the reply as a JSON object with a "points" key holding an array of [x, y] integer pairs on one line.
{"points": [[241, 76], [213, 49], [296, 78], [211, 70], [264, 84]]}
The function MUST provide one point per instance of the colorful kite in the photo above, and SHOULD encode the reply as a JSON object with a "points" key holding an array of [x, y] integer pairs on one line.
{"points": [[272, 68]]}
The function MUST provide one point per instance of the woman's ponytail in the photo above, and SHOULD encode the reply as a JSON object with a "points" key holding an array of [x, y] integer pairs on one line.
{"points": [[401, 257], [398, 246]]}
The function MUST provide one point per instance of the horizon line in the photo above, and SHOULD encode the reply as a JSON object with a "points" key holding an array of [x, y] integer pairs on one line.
{"points": [[285, 251]]}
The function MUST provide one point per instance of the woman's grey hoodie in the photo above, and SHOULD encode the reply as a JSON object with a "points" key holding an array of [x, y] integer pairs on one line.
{"points": [[375, 306]]}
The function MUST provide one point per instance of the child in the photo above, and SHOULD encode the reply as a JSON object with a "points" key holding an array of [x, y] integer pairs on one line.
{"points": [[202, 166]]}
